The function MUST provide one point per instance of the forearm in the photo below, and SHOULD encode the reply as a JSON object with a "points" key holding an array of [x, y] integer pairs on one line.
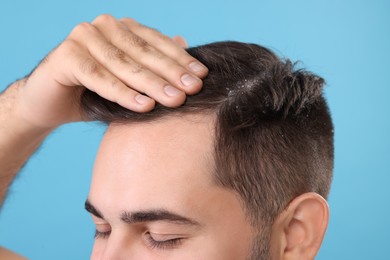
{"points": [[6, 254], [18, 139]]}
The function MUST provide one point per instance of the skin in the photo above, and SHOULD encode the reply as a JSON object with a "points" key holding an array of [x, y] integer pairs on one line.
{"points": [[6, 254], [139, 170], [119, 59], [166, 165]]}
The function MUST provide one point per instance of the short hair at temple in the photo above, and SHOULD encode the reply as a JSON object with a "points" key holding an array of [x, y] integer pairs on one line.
{"points": [[273, 133]]}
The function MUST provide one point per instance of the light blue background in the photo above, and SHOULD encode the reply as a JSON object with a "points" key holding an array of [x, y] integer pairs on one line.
{"points": [[346, 42]]}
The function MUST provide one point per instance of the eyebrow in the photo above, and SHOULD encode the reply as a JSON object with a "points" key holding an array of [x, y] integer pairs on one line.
{"points": [[91, 209], [146, 216], [156, 215]]}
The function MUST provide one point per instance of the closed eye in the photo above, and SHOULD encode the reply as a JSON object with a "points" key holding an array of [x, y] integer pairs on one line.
{"points": [[99, 234], [163, 244]]}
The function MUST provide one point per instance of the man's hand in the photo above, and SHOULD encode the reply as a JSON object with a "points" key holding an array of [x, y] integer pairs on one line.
{"points": [[120, 60]]}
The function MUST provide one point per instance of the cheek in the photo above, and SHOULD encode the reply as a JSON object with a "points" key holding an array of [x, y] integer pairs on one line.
{"points": [[229, 232], [226, 246]]}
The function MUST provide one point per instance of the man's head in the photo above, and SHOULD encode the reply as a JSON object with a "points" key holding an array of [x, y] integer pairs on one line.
{"points": [[239, 171]]}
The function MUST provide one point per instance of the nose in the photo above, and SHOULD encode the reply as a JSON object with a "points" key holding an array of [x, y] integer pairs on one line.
{"points": [[114, 252]]}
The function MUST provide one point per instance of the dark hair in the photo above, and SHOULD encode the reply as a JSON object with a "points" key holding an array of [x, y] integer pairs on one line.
{"points": [[274, 133]]}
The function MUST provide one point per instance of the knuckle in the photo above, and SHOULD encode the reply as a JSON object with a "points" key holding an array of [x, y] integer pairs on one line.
{"points": [[114, 53], [70, 44], [91, 67], [104, 18], [135, 41], [82, 29], [137, 68], [67, 47], [128, 21], [146, 47], [138, 41]]}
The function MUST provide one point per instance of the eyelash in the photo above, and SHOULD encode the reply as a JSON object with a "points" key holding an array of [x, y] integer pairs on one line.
{"points": [[103, 235], [167, 244]]}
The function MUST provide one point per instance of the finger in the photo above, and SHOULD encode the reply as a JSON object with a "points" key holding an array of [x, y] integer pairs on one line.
{"points": [[147, 55], [180, 41], [126, 69], [165, 45], [88, 72], [96, 78]]}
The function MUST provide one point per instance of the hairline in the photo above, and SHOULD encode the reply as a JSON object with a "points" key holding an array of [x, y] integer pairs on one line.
{"points": [[214, 113]]}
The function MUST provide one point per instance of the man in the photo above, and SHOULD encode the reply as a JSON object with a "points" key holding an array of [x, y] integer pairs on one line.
{"points": [[240, 171]]}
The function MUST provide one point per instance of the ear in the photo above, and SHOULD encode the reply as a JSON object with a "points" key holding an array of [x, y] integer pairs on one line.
{"points": [[180, 41], [299, 230]]}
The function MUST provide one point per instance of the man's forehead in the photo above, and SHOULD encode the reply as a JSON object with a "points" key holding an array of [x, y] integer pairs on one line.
{"points": [[170, 157], [174, 126], [188, 140]]}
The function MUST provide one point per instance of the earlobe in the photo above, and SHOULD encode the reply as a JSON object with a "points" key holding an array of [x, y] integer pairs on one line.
{"points": [[304, 225]]}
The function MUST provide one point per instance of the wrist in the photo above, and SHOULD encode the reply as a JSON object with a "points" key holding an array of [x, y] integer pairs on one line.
{"points": [[12, 118]]}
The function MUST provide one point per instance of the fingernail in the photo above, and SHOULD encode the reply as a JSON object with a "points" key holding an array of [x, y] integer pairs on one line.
{"points": [[188, 80], [197, 67], [141, 99], [171, 91]]}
